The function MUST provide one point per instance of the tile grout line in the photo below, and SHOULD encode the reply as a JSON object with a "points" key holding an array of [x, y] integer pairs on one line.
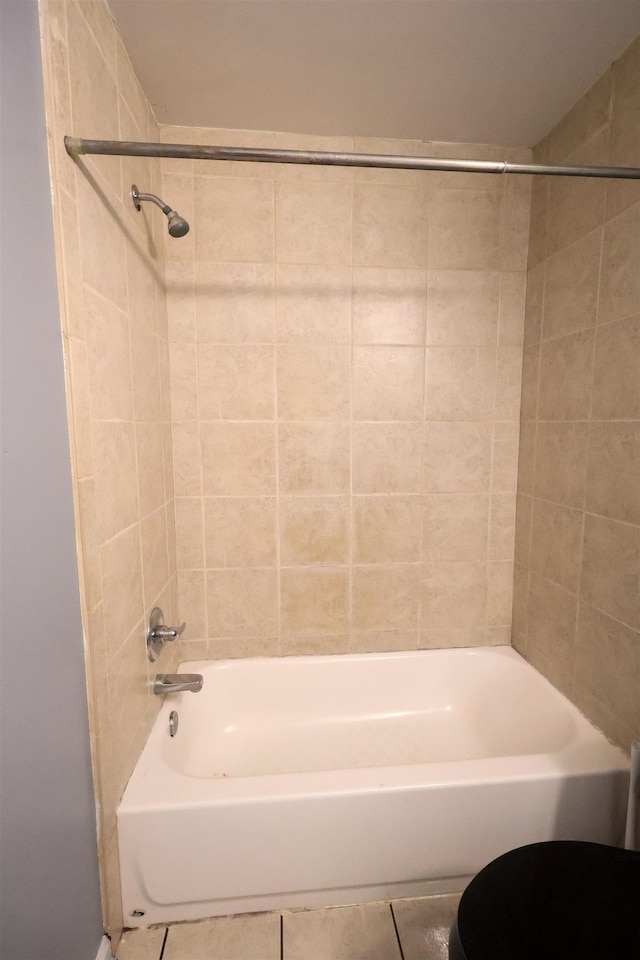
{"points": [[164, 943], [395, 927], [281, 937]]}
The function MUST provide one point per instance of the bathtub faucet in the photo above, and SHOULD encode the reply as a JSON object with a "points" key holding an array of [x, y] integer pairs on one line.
{"points": [[177, 682]]}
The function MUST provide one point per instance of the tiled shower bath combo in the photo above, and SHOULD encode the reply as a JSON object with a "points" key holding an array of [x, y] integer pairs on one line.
{"points": [[351, 411]]}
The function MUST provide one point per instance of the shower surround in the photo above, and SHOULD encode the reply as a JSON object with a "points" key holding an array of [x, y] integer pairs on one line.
{"points": [[346, 352], [577, 581], [342, 430]]}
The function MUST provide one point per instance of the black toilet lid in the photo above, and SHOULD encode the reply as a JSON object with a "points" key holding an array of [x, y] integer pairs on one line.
{"points": [[558, 900]]}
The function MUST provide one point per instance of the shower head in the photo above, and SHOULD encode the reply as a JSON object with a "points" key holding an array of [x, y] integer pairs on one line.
{"points": [[178, 226]]}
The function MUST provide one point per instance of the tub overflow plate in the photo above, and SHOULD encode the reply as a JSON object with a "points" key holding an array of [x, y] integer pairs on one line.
{"points": [[173, 723]]}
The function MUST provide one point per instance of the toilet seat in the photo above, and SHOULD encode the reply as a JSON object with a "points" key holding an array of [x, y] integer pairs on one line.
{"points": [[558, 900]]}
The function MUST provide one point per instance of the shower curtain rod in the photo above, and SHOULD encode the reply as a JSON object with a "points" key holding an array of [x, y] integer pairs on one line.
{"points": [[77, 147]]}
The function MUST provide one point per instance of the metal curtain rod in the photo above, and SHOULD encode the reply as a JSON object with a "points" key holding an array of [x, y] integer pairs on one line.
{"points": [[183, 151]]}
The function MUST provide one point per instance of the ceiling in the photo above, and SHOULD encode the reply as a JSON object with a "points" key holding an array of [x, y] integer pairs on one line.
{"points": [[484, 71]]}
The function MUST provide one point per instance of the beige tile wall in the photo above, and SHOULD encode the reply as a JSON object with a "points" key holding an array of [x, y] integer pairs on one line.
{"points": [[114, 320], [577, 579], [346, 354]]}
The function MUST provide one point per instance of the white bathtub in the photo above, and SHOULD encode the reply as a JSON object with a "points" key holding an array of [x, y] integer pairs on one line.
{"points": [[309, 781]]}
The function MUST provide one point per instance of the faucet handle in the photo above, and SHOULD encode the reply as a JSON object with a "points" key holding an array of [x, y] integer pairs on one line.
{"points": [[158, 633], [162, 632]]}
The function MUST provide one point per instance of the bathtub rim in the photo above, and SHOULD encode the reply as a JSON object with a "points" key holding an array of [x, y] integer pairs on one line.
{"points": [[589, 752]]}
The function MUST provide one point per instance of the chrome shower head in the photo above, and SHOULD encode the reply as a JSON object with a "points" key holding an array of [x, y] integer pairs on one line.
{"points": [[178, 226]]}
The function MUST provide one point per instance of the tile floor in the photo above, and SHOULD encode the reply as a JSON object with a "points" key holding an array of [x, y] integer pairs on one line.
{"points": [[416, 929]]}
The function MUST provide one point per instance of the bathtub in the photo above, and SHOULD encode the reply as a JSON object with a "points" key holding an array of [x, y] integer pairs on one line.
{"points": [[309, 781]]}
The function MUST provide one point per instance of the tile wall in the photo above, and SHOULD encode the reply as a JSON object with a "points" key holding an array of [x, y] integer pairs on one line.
{"points": [[577, 579], [346, 353], [110, 264]]}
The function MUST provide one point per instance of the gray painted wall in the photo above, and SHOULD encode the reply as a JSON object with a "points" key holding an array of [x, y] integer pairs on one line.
{"points": [[49, 889]]}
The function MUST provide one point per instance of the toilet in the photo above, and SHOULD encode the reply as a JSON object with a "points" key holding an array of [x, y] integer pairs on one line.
{"points": [[558, 900]]}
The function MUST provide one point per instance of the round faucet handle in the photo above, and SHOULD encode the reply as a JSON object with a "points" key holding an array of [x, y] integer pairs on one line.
{"points": [[159, 633]]}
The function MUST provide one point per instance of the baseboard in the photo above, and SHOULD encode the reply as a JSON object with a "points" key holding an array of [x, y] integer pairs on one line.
{"points": [[104, 950]]}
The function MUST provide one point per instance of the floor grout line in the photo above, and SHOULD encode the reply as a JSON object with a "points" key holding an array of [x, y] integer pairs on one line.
{"points": [[164, 943], [395, 927]]}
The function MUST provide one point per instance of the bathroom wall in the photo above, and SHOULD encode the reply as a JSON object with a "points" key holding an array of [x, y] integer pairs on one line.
{"points": [[577, 586], [110, 266], [346, 351], [49, 889]]}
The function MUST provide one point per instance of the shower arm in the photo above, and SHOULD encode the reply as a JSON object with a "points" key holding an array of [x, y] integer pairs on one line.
{"points": [[77, 147], [137, 197]]}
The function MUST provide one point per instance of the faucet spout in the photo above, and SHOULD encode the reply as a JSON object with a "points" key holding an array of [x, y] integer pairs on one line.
{"points": [[177, 682]]}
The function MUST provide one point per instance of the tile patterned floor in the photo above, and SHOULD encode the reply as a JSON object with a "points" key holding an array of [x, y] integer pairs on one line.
{"points": [[415, 929]]}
